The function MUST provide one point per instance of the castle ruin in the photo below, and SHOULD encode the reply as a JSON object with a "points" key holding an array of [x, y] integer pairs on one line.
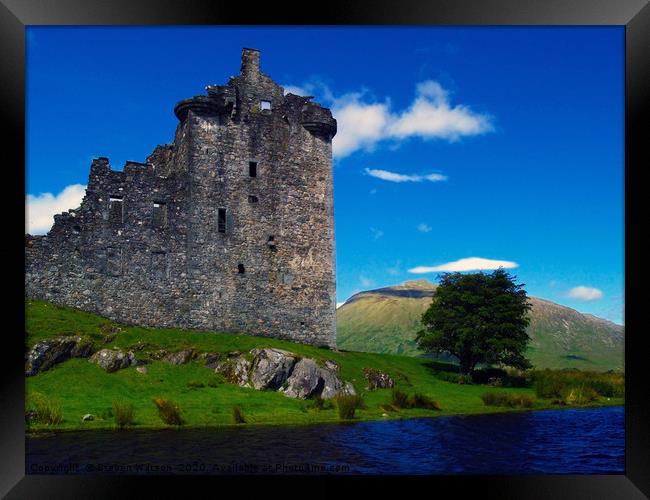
{"points": [[229, 228]]}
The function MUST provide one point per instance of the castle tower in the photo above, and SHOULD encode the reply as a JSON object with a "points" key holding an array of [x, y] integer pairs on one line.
{"points": [[229, 228]]}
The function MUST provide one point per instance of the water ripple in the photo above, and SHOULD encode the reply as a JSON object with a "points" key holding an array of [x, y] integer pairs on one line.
{"points": [[585, 441]]}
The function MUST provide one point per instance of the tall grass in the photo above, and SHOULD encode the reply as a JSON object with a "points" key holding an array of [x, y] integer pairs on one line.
{"points": [[347, 406], [123, 414], [509, 400], [237, 415], [44, 410], [169, 412], [401, 400], [575, 385]]}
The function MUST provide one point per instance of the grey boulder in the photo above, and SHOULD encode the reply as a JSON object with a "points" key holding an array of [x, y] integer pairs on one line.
{"points": [[332, 385], [180, 357], [47, 353], [235, 368], [271, 368], [377, 379], [112, 360]]}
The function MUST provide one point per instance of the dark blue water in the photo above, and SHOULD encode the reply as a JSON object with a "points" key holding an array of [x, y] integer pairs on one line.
{"points": [[585, 441]]}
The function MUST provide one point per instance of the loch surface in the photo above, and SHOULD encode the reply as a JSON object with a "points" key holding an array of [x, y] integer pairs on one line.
{"points": [[572, 441]]}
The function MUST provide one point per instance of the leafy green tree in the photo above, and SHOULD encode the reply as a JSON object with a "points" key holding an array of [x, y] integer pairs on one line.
{"points": [[479, 318]]}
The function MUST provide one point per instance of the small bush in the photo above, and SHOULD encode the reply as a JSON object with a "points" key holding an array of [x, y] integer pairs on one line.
{"points": [[107, 414], [550, 385], [169, 412], [509, 400], [237, 415], [579, 385], [581, 395], [465, 379], [388, 407], [400, 399], [421, 401], [123, 413], [44, 410], [347, 406], [193, 384]]}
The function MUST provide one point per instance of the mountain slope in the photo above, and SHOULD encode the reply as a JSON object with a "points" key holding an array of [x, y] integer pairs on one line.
{"points": [[386, 321]]}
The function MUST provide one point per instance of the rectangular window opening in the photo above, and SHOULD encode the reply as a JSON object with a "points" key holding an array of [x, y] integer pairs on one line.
{"points": [[265, 105], [221, 220], [116, 209], [252, 199], [252, 169]]}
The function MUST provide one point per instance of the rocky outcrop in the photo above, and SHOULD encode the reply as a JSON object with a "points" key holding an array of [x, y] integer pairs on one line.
{"points": [[310, 380], [304, 379], [333, 386], [235, 368], [332, 365], [271, 368], [377, 379], [47, 353], [284, 371], [112, 360], [180, 357]]}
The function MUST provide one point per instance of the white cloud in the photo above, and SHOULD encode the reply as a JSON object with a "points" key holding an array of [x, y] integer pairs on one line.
{"points": [[339, 304], [376, 233], [467, 264], [363, 123], [294, 89], [424, 228], [431, 116], [359, 125], [585, 293], [42, 208], [385, 175]]}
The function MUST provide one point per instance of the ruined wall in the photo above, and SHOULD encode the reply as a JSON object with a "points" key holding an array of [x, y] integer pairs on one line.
{"points": [[197, 237]]}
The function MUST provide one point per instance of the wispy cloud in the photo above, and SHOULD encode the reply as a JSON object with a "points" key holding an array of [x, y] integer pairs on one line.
{"points": [[585, 293], [467, 264], [376, 233], [42, 208], [294, 89], [364, 121], [395, 270], [365, 282], [424, 228], [385, 175]]}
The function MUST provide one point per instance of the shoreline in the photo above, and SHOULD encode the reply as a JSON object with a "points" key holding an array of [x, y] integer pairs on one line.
{"points": [[42, 431]]}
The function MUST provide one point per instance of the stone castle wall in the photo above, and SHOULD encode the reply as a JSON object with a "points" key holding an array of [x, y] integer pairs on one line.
{"points": [[228, 228]]}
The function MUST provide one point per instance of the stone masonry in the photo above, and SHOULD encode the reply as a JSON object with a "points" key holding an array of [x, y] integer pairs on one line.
{"points": [[228, 228]]}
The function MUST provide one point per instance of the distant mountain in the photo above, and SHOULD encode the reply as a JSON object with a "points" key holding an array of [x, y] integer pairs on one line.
{"points": [[386, 321]]}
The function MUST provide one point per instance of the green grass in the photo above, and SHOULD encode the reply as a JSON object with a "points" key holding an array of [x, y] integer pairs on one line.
{"points": [[81, 387]]}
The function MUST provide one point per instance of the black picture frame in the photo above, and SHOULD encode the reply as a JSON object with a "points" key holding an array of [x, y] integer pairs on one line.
{"points": [[15, 15]]}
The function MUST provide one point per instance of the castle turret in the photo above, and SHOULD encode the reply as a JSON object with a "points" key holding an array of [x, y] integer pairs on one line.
{"points": [[250, 64]]}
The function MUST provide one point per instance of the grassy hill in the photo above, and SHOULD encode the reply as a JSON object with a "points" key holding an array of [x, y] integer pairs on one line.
{"points": [[386, 321], [77, 387]]}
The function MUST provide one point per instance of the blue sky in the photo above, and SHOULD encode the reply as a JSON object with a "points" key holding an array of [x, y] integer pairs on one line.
{"points": [[458, 148]]}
